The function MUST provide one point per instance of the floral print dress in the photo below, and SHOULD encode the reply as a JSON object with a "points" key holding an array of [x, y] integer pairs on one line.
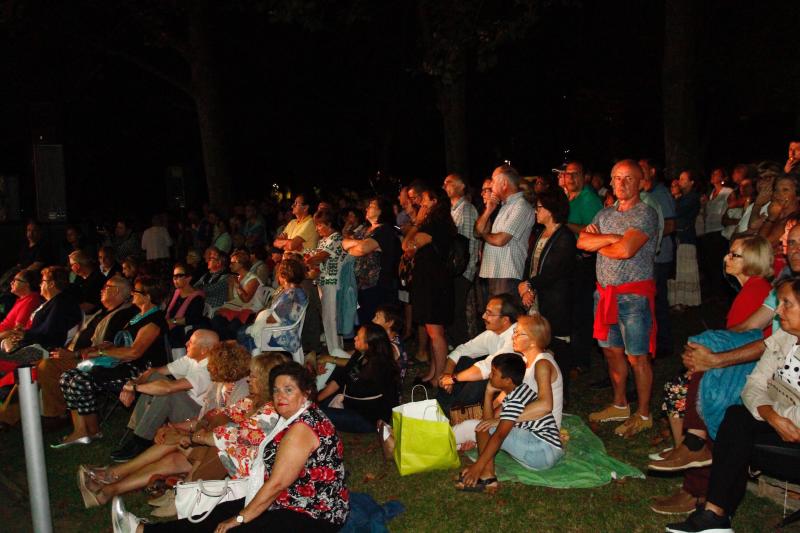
{"points": [[238, 440], [319, 491]]}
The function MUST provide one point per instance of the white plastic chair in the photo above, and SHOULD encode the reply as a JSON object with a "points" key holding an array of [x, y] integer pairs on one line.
{"points": [[262, 341]]}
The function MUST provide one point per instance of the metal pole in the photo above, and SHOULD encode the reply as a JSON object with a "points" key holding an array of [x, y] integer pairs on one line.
{"points": [[34, 451]]}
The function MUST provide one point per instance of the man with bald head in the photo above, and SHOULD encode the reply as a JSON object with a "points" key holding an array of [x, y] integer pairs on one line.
{"points": [[163, 400], [624, 237]]}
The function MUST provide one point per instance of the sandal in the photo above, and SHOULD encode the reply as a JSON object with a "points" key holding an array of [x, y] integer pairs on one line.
{"points": [[488, 485], [99, 474]]}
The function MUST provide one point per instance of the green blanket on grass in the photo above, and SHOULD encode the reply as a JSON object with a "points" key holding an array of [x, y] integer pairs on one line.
{"points": [[584, 465]]}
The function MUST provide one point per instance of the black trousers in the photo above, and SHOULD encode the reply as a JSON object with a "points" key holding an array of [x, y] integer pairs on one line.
{"points": [[737, 435], [664, 341], [582, 343], [279, 520], [464, 392]]}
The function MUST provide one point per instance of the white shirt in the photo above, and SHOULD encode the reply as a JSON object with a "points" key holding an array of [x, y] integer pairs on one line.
{"points": [[156, 242], [195, 373], [715, 208], [487, 343]]}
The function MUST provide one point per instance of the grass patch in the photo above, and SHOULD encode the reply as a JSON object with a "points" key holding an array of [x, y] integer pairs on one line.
{"points": [[430, 500]]}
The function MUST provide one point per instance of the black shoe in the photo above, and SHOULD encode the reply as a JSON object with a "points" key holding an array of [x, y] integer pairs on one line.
{"points": [[130, 449], [601, 384], [701, 520]]}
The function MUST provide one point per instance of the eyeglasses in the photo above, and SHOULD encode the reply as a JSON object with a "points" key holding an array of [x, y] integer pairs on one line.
{"points": [[176, 276], [137, 291], [734, 255]]}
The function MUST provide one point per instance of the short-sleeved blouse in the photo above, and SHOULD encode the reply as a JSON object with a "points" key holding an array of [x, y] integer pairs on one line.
{"points": [[319, 490], [329, 269], [238, 440]]}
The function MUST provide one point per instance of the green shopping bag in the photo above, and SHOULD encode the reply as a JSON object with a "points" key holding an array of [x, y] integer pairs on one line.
{"points": [[423, 437]]}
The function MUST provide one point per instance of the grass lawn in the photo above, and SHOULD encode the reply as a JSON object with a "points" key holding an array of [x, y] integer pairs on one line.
{"points": [[430, 500]]}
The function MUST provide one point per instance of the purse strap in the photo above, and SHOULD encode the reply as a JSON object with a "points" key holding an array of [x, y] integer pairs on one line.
{"points": [[201, 491]]}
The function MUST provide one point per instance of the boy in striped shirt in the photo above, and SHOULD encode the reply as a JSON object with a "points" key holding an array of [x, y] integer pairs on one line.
{"points": [[535, 444]]}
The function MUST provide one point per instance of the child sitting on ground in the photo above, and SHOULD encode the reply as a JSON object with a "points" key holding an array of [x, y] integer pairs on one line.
{"points": [[526, 428]]}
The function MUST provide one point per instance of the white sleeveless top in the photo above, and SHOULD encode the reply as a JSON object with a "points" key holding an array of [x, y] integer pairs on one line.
{"points": [[557, 385]]}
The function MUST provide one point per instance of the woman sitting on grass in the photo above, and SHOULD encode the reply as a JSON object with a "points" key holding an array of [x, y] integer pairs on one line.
{"points": [[368, 383], [526, 427], [531, 338], [173, 452]]}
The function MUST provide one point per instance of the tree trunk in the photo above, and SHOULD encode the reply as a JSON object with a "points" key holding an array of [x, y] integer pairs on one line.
{"points": [[210, 114], [452, 96], [679, 70]]}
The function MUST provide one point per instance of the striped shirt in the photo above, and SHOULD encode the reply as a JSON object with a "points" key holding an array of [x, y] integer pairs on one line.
{"points": [[464, 216], [545, 427]]}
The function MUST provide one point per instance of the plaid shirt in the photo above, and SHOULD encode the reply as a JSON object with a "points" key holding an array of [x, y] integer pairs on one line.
{"points": [[464, 216], [516, 217]]}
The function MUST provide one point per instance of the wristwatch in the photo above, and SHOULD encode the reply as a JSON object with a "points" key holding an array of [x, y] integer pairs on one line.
{"points": [[239, 519]]}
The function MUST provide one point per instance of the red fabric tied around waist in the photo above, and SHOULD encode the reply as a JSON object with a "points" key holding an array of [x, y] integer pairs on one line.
{"points": [[607, 312]]}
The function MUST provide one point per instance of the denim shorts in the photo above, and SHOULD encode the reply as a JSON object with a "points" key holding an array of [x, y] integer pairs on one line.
{"points": [[529, 450], [632, 330]]}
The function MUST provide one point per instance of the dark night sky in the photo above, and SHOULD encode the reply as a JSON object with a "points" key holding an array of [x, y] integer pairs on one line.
{"points": [[338, 104]]}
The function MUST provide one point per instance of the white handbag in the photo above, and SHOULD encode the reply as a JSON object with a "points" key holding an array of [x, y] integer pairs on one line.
{"points": [[200, 497]]}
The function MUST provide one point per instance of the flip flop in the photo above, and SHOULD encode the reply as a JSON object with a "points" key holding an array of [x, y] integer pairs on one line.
{"points": [[488, 485]]}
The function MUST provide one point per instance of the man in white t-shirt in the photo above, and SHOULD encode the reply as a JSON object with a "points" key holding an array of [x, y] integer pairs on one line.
{"points": [[164, 400], [467, 368]]}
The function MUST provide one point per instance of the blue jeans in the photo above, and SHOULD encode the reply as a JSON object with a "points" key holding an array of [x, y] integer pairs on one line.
{"points": [[529, 450], [632, 330]]}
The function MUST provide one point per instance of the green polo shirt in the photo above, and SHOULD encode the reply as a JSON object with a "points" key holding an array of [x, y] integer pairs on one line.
{"points": [[584, 207]]}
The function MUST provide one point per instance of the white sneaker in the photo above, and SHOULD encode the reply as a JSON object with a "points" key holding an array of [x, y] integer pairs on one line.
{"points": [[121, 520]]}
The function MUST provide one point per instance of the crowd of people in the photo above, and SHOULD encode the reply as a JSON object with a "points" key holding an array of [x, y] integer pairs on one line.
{"points": [[226, 334]]}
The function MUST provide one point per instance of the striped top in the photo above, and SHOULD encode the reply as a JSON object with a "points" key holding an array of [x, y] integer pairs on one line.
{"points": [[545, 427]]}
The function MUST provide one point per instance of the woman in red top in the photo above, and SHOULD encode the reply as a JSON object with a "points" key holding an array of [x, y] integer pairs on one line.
{"points": [[749, 260], [24, 285]]}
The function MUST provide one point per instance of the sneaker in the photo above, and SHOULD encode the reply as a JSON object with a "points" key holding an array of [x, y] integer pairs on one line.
{"points": [[131, 449], [633, 425], [658, 456], [701, 520], [680, 502], [682, 458], [612, 413]]}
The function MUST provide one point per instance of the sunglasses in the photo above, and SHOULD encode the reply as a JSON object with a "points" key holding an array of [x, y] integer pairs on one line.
{"points": [[137, 291], [176, 276]]}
